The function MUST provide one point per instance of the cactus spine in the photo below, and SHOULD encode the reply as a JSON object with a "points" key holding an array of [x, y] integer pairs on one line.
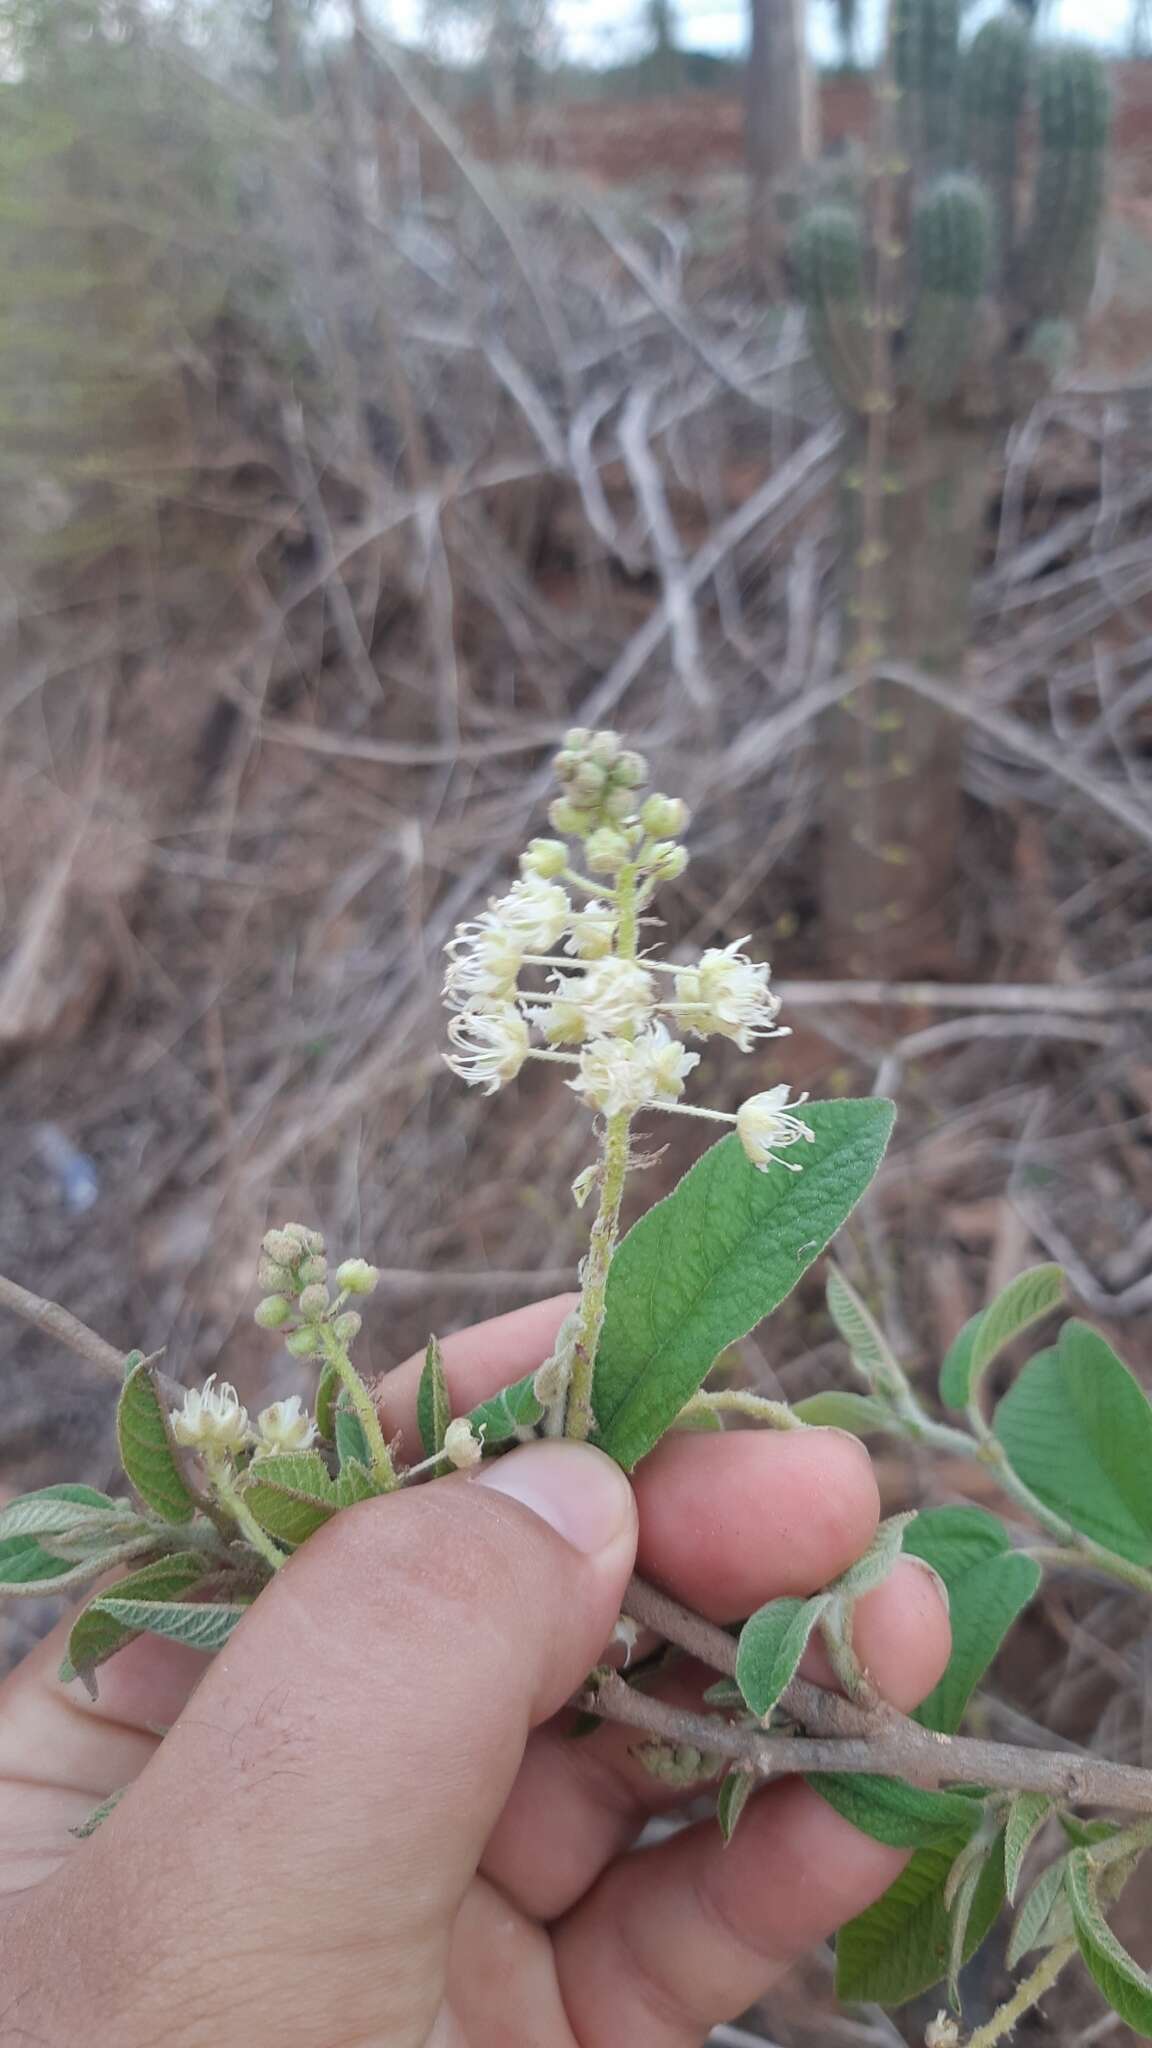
{"points": [[980, 291]]}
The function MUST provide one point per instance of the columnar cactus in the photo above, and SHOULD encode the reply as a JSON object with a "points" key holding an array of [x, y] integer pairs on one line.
{"points": [[980, 278]]}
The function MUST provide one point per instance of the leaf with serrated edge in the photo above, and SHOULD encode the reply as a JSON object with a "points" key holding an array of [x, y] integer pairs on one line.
{"points": [[95, 1636], [147, 1450], [862, 1414], [1076, 1427], [900, 1946], [1026, 1816], [1124, 1984], [902, 1816], [433, 1401], [511, 1413], [711, 1260], [1025, 1301], [202, 1628], [731, 1800], [771, 1645]]}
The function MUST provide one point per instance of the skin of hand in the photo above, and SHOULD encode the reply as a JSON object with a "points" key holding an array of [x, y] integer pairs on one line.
{"points": [[367, 1827]]}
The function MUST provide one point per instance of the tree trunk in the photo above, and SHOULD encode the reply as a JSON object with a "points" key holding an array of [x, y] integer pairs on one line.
{"points": [[891, 782], [781, 121]]}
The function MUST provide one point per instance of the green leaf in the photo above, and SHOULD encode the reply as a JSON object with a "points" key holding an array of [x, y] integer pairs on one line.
{"points": [[903, 1816], [988, 1587], [58, 1508], [27, 1570], [1023, 1302], [705, 1265], [1124, 1984], [731, 1800], [960, 1896], [770, 1648], [513, 1412], [147, 1450], [351, 1442], [1026, 1816], [355, 1483], [862, 1334], [1076, 1427], [328, 1390], [1084, 1834], [203, 1628], [433, 1401], [873, 1568], [1044, 1917], [900, 1946], [863, 1414], [291, 1495], [95, 1636]]}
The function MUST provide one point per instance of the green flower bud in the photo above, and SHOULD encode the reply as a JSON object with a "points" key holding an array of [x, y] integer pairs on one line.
{"points": [[588, 783], [313, 1271], [619, 804], [303, 1343], [307, 1240], [606, 851], [314, 1302], [281, 1246], [576, 739], [631, 770], [545, 857], [604, 749], [667, 860], [356, 1276], [565, 765], [665, 817], [272, 1313], [348, 1326], [568, 818], [277, 1279]]}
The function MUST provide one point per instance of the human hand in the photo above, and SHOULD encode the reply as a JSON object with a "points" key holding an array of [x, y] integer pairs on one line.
{"points": [[367, 1826]]}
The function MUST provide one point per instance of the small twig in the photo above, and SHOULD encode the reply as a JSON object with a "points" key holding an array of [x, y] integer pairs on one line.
{"points": [[942, 995], [1026, 1995], [63, 1325]]}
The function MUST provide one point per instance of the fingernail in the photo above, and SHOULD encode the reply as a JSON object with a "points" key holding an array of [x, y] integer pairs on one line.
{"points": [[578, 1491], [846, 1437], [922, 1565]]}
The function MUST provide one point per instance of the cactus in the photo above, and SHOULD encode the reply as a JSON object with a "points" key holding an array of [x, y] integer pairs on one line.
{"points": [[977, 288]]}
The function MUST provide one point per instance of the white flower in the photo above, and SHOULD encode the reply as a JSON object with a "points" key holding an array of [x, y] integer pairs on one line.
{"points": [[534, 912], [591, 931], [211, 1418], [462, 1446], [765, 1128], [626, 1073], [614, 996], [491, 1045], [728, 994], [484, 960], [285, 1426]]}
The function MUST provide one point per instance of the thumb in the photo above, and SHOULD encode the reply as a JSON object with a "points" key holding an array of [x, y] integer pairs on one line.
{"points": [[328, 1791]]}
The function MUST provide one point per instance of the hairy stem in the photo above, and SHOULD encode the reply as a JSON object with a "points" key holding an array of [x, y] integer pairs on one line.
{"points": [[223, 1480], [337, 1357], [1026, 1995], [736, 1401]]}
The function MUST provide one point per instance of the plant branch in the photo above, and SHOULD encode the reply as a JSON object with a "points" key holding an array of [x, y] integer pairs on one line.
{"points": [[70, 1331], [897, 1747], [1026, 1995]]}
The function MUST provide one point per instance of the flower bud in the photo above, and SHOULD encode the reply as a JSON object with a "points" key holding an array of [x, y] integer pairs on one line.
{"points": [[313, 1271], [277, 1279], [545, 857], [667, 860], [281, 1246], [356, 1276], [272, 1313], [314, 1302], [631, 770], [588, 783], [576, 739], [604, 749], [618, 804], [564, 765], [462, 1446], [302, 1343], [569, 818], [665, 817], [348, 1326], [307, 1240], [606, 851], [941, 2032]]}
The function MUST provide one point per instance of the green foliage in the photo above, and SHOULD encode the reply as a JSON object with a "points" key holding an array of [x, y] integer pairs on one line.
{"points": [[704, 1266], [96, 1635], [147, 1450], [1076, 1427], [1026, 1816], [291, 1495], [862, 1414], [771, 1645], [902, 1945], [903, 1816], [433, 1401], [988, 1587], [731, 1800], [1126, 1987], [206, 1627], [351, 1442], [1044, 1916], [512, 1413], [78, 1532], [1028, 1298]]}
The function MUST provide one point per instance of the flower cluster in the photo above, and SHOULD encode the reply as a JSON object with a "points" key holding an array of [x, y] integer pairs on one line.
{"points": [[553, 969], [213, 1419]]}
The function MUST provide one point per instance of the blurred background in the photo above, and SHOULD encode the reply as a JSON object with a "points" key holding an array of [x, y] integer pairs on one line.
{"points": [[384, 391]]}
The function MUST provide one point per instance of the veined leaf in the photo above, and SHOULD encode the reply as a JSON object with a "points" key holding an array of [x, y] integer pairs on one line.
{"points": [[1023, 1302], [27, 1571], [988, 1587], [705, 1265], [1026, 1816], [770, 1648], [351, 1442], [1044, 1917], [862, 1414], [147, 1450], [95, 1636], [433, 1401], [900, 1946], [1125, 1985], [202, 1628], [873, 1568], [356, 1483], [903, 1816], [290, 1494], [731, 1800], [56, 1509], [1076, 1427], [513, 1412], [858, 1327], [328, 1390]]}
